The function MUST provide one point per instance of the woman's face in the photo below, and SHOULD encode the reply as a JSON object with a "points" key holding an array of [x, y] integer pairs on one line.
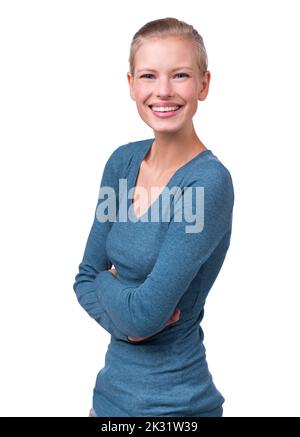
{"points": [[166, 74]]}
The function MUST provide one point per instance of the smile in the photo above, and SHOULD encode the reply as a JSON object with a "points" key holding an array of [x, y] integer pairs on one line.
{"points": [[165, 112]]}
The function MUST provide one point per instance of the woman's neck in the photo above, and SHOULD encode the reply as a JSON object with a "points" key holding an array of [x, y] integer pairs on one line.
{"points": [[167, 153]]}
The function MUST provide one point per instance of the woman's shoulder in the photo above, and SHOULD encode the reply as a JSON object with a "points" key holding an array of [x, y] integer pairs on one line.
{"points": [[126, 152], [131, 147], [211, 174], [208, 167]]}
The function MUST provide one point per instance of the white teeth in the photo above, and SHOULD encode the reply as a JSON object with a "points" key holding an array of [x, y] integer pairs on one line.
{"points": [[164, 109]]}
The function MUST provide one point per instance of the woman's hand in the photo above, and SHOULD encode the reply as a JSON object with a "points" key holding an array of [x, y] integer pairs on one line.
{"points": [[113, 271], [173, 319]]}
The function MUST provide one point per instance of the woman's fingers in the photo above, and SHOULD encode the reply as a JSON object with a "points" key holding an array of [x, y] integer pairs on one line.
{"points": [[175, 317], [113, 271], [138, 338]]}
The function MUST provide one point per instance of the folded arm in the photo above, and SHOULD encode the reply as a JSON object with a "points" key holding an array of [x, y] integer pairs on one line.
{"points": [[140, 311]]}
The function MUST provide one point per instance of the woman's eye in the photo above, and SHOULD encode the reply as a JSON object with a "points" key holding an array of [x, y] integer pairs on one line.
{"points": [[177, 74], [148, 74], [184, 74]]}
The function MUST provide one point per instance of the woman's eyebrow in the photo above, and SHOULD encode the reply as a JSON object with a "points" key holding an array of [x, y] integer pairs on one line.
{"points": [[173, 69]]}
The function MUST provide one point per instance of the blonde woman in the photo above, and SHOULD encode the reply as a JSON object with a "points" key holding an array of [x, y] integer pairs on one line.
{"points": [[167, 231]]}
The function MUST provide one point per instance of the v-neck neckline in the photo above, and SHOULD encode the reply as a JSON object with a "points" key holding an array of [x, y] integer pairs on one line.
{"points": [[137, 168]]}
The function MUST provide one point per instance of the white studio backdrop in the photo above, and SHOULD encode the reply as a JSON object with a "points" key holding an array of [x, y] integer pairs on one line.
{"points": [[64, 107]]}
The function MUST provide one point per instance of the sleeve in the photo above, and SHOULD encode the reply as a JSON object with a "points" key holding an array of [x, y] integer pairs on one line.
{"points": [[141, 310], [94, 258]]}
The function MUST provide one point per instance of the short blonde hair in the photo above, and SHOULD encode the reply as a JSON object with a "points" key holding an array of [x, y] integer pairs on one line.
{"points": [[165, 27]]}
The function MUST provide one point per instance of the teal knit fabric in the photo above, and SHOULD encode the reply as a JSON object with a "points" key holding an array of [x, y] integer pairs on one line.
{"points": [[162, 265]]}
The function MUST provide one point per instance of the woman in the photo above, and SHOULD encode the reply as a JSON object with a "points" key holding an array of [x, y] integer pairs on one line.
{"points": [[152, 301]]}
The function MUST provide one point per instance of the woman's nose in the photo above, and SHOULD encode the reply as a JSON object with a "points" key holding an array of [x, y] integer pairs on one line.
{"points": [[163, 87]]}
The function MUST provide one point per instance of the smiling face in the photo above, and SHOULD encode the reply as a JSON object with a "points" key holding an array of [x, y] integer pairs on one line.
{"points": [[167, 78]]}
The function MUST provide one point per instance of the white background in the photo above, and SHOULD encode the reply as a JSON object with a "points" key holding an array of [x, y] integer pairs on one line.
{"points": [[65, 106]]}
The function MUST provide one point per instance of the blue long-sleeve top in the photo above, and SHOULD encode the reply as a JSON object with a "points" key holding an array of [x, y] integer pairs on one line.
{"points": [[163, 264]]}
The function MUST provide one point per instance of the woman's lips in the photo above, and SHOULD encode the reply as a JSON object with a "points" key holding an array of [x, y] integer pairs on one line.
{"points": [[166, 114]]}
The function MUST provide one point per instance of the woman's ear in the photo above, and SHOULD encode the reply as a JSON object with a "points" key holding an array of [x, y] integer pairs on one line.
{"points": [[130, 83], [204, 85]]}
